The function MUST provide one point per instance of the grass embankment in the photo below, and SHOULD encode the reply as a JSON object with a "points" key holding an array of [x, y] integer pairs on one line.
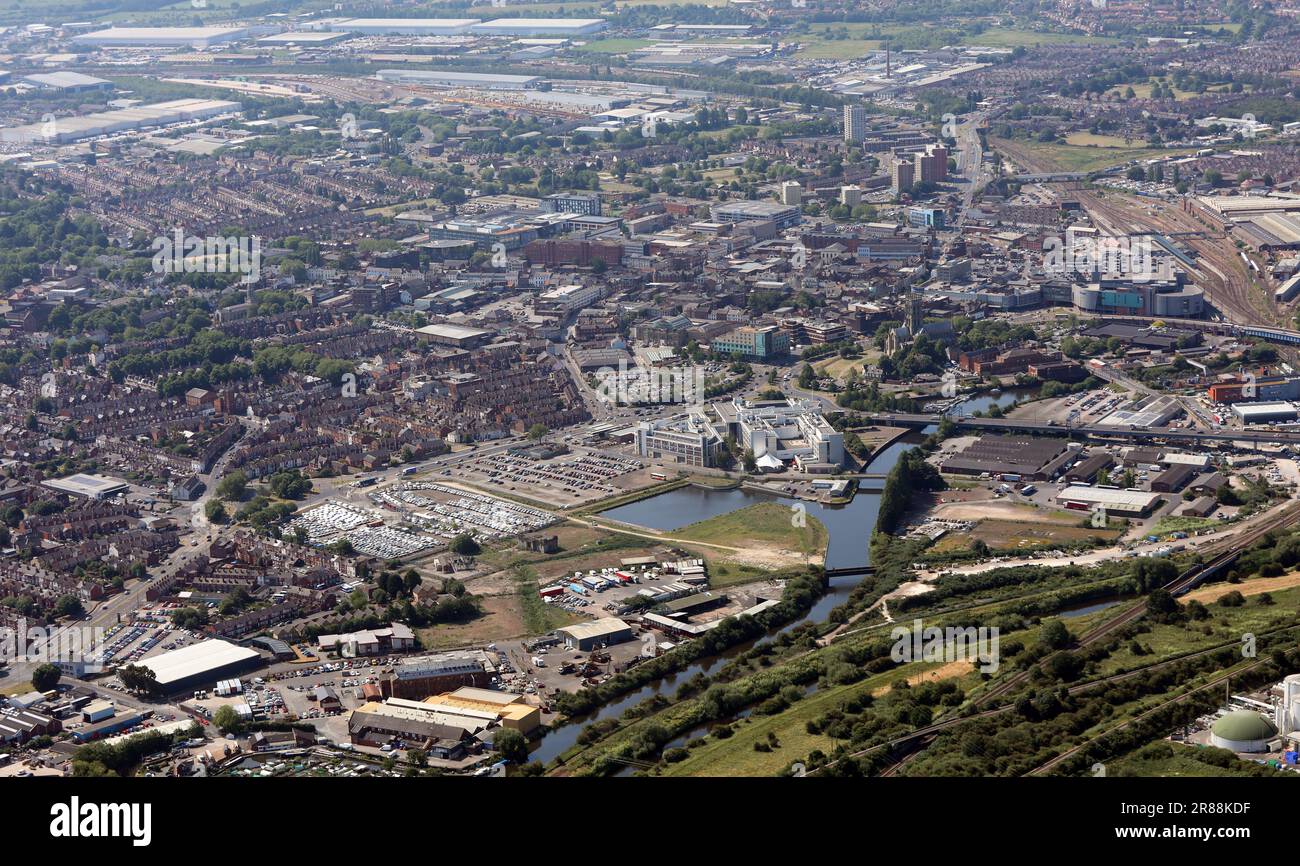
{"points": [[539, 617]]}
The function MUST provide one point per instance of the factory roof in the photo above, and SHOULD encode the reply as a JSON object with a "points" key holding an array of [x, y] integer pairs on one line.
{"points": [[1107, 496], [85, 484], [599, 628], [163, 34], [65, 78], [174, 666]]}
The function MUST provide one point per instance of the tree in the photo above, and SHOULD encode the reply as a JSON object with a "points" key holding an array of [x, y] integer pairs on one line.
{"points": [[1054, 634], [537, 431], [465, 545], [215, 511], [226, 719], [233, 487], [69, 605], [137, 678], [511, 745], [46, 677]]}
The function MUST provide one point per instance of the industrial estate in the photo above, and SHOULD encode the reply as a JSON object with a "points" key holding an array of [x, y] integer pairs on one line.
{"points": [[815, 388]]}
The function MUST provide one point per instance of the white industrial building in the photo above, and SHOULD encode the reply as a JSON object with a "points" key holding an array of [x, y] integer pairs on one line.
{"points": [[200, 664], [539, 27], [63, 130], [1121, 503], [160, 37], [404, 26], [1264, 412], [450, 78]]}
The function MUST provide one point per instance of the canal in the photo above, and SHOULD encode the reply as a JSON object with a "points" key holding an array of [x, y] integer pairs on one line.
{"points": [[848, 527]]}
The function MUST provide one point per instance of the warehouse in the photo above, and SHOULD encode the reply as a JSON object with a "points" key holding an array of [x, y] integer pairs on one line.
{"points": [[510, 709], [1173, 479], [374, 724], [68, 82], [200, 664], [447, 78], [1032, 459], [69, 129], [87, 486], [1263, 413], [539, 27], [160, 37], [454, 335], [405, 26], [306, 38], [421, 676], [594, 635], [1087, 470], [1115, 502]]}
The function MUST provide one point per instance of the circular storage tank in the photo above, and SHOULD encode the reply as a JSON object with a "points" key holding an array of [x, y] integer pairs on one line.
{"points": [[1243, 731]]}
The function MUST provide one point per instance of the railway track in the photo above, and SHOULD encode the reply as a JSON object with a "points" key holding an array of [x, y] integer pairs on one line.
{"points": [[918, 740], [923, 737]]}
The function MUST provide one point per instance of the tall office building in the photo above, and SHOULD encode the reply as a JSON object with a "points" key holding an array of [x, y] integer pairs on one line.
{"points": [[791, 193], [855, 123]]}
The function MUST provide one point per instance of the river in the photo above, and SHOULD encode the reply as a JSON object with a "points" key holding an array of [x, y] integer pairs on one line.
{"points": [[848, 527]]}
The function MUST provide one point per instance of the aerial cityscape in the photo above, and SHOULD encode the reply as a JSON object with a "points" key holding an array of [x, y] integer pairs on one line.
{"points": [[674, 388]]}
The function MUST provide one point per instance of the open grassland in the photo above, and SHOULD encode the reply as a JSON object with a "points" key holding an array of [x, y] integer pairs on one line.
{"points": [[1068, 157], [767, 524], [1012, 535]]}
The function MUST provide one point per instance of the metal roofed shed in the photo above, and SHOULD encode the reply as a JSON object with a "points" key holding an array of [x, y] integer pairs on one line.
{"points": [[454, 335], [159, 36], [591, 635], [452, 78], [1125, 503], [1263, 413], [200, 664], [87, 485], [404, 26], [539, 26], [68, 80]]}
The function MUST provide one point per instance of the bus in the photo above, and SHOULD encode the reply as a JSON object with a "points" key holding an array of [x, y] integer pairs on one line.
{"points": [[659, 476], [365, 482]]}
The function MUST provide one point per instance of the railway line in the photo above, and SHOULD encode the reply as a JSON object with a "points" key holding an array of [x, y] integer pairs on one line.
{"points": [[916, 741], [1221, 273]]}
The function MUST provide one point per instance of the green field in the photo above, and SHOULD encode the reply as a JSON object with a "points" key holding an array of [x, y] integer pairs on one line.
{"points": [[765, 524], [1183, 524], [1068, 157], [862, 38]]}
